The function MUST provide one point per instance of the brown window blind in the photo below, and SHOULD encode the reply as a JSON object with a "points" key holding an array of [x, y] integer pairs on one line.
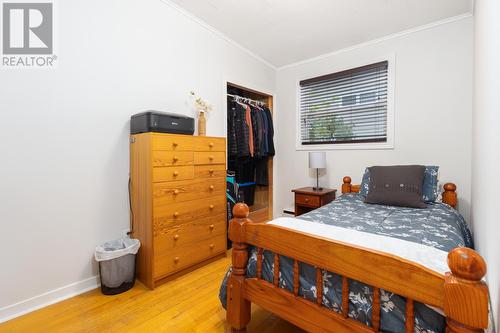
{"points": [[345, 107]]}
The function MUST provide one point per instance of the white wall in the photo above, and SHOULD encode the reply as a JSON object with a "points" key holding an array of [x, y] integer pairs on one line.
{"points": [[433, 110], [486, 156], [64, 133]]}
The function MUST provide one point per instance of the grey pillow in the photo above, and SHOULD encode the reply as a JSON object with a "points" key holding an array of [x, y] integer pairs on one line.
{"points": [[398, 185], [430, 190]]}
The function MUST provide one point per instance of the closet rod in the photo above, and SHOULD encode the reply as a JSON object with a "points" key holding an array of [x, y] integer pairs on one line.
{"points": [[246, 99]]}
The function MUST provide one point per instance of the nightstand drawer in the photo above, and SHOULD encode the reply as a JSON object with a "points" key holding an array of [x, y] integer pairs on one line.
{"points": [[307, 200]]}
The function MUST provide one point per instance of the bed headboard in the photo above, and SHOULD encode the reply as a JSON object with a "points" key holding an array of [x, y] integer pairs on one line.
{"points": [[449, 194]]}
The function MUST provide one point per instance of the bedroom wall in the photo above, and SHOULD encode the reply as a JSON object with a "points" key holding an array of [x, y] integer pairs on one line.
{"points": [[433, 109], [64, 134], [486, 157]]}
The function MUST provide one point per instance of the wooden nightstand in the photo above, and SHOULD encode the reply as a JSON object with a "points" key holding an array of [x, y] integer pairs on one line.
{"points": [[306, 199]]}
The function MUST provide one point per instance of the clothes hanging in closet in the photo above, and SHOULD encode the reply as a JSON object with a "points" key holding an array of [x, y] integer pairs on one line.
{"points": [[250, 130], [250, 143]]}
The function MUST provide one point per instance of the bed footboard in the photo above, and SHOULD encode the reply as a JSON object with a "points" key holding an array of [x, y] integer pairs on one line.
{"points": [[460, 293]]}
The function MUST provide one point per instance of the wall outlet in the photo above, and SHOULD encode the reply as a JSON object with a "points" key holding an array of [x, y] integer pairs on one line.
{"points": [[125, 233]]}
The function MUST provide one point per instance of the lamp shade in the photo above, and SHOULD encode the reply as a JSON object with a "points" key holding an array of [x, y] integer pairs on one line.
{"points": [[317, 160]]}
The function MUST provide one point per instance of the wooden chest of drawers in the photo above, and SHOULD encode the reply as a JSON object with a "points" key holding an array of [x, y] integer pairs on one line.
{"points": [[178, 191]]}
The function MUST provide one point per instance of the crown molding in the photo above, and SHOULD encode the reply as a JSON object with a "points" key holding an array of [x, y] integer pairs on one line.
{"points": [[216, 32], [231, 41], [381, 39]]}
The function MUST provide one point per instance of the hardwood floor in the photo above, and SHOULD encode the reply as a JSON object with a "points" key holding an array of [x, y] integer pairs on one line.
{"points": [[188, 304]]}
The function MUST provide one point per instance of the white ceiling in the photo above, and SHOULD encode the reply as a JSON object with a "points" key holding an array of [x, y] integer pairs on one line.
{"points": [[286, 31]]}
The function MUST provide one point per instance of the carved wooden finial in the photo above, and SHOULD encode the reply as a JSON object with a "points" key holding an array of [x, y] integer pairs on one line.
{"points": [[450, 187], [466, 296], [466, 264], [346, 187], [241, 210], [450, 194]]}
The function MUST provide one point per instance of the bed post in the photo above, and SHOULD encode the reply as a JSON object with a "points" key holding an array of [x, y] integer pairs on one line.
{"points": [[450, 194], [346, 186], [465, 294], [238, 308]]}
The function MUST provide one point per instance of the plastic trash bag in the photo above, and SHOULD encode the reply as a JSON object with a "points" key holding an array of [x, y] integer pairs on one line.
{"points": [[117, 248]]}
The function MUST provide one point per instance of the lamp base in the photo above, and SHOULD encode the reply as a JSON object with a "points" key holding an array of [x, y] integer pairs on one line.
{"points": [[317, 189]]}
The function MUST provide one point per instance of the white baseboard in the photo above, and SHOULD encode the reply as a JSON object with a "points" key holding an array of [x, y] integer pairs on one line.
{"points": [[53, 296]]}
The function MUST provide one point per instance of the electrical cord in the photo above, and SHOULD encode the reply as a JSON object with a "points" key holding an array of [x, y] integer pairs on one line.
{"points": [[130, 207]]}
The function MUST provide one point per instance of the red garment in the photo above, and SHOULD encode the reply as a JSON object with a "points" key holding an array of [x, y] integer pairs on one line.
{"points": [[248, 119]]}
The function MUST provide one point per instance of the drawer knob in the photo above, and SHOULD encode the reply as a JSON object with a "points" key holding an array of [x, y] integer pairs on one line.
{"points": [[176, 259], [176, 214], [211, 227], [211, 171], [176, 173], [307, 199], [210, 157], [175, 158], [211, 187], [176, 192], [175, 144], [212, 246], [211, 144], [211, 206], [176, 237]]}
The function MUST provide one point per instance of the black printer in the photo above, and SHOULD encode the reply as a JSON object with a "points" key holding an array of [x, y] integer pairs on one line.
{"points": [[161, 122]]}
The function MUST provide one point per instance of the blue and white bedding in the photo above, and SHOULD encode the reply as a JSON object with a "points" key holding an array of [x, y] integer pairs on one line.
{"points": [[421, 235]]}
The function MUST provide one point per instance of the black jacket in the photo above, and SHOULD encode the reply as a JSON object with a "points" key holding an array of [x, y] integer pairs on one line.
{"points": [[270, 132], [232, 147]]}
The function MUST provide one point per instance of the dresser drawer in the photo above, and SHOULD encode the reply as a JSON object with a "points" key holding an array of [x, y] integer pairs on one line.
{"points": [[216, 157], [166, 216], [307, 200], [166, 174], [210, 206], [186, 190], [190, 254], [172, 158], [191, 232], [209, 144], [172, 142], [210, 171]]}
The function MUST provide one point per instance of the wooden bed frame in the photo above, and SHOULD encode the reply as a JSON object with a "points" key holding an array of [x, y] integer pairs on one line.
{"points": [[461, 293]]}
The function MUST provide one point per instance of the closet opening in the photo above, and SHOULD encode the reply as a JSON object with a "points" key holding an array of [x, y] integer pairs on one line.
{"points": [[250, 149]]}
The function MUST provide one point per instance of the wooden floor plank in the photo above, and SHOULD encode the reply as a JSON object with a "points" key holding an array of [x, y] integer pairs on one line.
{"points": [[188, 304]]}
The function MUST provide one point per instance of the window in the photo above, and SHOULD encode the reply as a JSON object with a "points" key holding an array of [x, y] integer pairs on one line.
{"points": [[345, 107]]}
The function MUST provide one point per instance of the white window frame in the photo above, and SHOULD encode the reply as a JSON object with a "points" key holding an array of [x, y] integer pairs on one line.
{"points": [[389, 144]]}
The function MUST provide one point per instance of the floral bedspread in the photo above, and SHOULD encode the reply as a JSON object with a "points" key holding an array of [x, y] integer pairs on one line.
{"points": [[438, 226]]}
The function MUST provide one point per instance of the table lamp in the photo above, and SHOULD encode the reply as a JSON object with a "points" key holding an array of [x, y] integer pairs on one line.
{"points": [[317, 160]]}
